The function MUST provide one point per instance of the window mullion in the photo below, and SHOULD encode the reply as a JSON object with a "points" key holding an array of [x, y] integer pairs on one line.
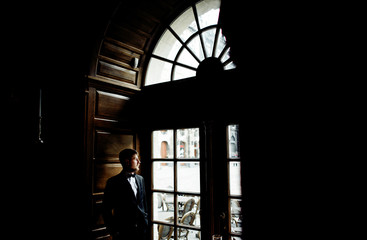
{"points": [[183, 43], [223, 51], [175, 217], [174, 62], [199, 30], [228, 61]]}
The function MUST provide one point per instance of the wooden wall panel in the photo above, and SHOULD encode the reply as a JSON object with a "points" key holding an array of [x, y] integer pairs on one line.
{"points": [[102, 173], [127, 36], [107, 132], [110, 105], [116, 72], [119, 53], [137, 19], [108, 145]]}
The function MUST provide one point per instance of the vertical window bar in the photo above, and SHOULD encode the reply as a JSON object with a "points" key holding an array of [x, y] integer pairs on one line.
{"points": [[175, 204], [199, 29]]}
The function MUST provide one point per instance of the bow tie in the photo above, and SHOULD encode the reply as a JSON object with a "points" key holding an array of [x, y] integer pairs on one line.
{"points": [[129, 175]]}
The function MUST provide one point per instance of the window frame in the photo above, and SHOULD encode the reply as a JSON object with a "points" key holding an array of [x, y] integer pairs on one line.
{"points": [[230, 196], [175, 192], [228, 62]]}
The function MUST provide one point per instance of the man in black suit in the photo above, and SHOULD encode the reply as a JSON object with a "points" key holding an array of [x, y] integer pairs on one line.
{"points": [[124, 204]]}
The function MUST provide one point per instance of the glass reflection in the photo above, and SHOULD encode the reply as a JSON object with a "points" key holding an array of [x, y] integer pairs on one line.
{"points": [[236, 216], [187, 144], [209, 37], [162, 144], [188, 234], [163, 208], [235, 178], [161, 231], [163, 175], [189, 210], [158, 72], [220, 44], [181, 73], [188, 177], [208, 12], [187, 59], [236, 238], [161, 48], [185, 25], [233, 141], [196, 48]]}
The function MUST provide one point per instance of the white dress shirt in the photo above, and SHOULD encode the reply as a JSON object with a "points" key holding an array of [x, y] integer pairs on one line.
{"points": [[133, 184]]}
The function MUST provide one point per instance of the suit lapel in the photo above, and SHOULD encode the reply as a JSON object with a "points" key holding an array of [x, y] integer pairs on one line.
{"points": [[127, 185], [139, 184]]}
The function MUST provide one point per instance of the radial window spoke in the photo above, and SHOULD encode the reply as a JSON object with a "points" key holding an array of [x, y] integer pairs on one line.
{"points": [[187, 59], [182, 73], [161, 49], [185, 25], [209, 37], [221, 43], [190, 39]]}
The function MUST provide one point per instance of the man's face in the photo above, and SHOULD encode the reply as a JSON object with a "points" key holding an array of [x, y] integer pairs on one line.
{"points": [[134, 163]]}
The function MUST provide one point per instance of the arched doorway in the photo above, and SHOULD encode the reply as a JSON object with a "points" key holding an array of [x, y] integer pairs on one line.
{"points": [[125, 108]]}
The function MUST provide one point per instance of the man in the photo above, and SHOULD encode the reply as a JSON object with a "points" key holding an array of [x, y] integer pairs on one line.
{"points": [[124, 204]]}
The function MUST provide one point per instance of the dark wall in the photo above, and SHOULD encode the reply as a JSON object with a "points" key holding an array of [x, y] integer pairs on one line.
{"points": [[47, 46], [288, 62]]}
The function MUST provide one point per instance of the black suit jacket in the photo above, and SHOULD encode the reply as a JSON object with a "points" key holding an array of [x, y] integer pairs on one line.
{"points": [[123, 213]]}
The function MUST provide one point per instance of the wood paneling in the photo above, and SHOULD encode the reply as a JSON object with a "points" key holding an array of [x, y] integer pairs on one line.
{"points": [[102, 173], [130, 32], [116, 72], [110, 105], [118, 53], [109, 144], [107, 132], [127, 36]]}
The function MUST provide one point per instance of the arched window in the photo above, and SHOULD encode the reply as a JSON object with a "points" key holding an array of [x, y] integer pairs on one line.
{"points": [[189, 40]]}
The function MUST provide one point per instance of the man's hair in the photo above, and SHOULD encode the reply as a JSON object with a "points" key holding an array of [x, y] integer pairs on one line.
{"points": [[126, 154]]}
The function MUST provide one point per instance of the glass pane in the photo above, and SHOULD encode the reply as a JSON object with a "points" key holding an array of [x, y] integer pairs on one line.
{"points": [[158, 72], [208, 38], [163, 175], [220, 44], [185, 25], [236, 216], [187, 143], [225, 56], [167, 46], [188, 234], [187, 59], [233, 141], [163, 207], [229, 66], [188, 177], [181, 73], [161, 231], [162, 144], [235, 178], [208, 12], [196, 48], [188, 210], [235, 238]]}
